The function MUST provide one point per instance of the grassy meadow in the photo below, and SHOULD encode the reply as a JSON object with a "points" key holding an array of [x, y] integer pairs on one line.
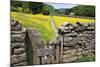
{"points": [[60, 20], [38, 22], [42, 23]]}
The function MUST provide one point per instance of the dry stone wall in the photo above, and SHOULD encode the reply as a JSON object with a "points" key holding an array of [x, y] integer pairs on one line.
{"points": [[79, 40], [18, 49]]}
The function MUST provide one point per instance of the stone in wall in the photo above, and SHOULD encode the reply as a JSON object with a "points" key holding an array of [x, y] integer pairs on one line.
{"points": [[15, 25], [17, 37], [19, 51], [17, 45], [18, 58], [70, 59]]}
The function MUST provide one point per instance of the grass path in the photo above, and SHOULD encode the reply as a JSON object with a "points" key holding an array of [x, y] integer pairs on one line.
{"points": [[52, 23]]}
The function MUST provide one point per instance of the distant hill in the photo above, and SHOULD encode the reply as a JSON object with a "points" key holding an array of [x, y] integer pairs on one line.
{"points": [[48, 8], [60, 11], [84, 10], [45, 9], [80, 10]]}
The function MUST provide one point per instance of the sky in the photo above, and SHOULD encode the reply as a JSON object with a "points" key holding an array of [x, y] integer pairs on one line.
{"points": [[61, 5]]}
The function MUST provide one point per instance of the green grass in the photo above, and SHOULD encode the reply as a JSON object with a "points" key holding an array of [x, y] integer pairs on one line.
{"points": [[38, 22], [86, 59], [41, 23], [59, 20]]}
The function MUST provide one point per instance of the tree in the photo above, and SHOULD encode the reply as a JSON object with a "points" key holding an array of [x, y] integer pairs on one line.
{"points": [[16, 4], [35, 7], [46, 12], [25, 7], [84, 10], [67, 11], [47, 9]]}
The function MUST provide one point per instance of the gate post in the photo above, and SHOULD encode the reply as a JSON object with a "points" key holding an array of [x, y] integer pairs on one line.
{"points": [[34, 37], [61, 35], [61, 48]]}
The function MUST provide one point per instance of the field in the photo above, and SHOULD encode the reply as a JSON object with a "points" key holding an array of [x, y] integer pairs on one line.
{"points": [[42, 23], [38, 22], [60, 20]]}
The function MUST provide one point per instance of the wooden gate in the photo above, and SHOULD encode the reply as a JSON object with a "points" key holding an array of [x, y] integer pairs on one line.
{"points": [[38, 54]]}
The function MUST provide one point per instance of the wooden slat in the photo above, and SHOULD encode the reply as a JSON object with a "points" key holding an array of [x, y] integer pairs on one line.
{"points": [[44, 60], [52, 59], [53, 56], [48, 59], [57, 54]]}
